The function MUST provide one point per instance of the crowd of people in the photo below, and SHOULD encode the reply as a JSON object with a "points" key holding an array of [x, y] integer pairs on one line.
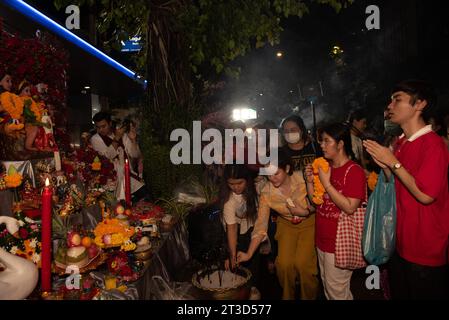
{"points": [[278, 208], [275, 214]]}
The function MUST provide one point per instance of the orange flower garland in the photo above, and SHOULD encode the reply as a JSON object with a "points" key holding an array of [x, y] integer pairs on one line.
{"points": [[12, 103], [13, 179], [119, 232], [372, 180], [317, 186], [96, 165]]}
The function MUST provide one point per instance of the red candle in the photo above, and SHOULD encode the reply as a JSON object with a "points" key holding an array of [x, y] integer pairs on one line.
{"points": [[46, 237], [127, 184]]}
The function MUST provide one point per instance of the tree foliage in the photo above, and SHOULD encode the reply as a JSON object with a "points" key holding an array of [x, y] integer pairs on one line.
{"points": [[184, 43], [215, 32]]}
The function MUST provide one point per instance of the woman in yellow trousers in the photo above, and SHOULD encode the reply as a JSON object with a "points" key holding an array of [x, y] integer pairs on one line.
{"points": [[295, 233]]}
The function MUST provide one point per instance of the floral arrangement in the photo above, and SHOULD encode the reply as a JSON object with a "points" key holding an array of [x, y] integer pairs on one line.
{"points": [[27, 245], [13, 105], [372, 180], [39, 59], [32, 110], [317, 186], [112, 233], [96, 165], [13, 179], [120, 264], [82, 161]]}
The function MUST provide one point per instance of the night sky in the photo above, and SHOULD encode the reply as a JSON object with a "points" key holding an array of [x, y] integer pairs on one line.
{"points": [[411, 43]]}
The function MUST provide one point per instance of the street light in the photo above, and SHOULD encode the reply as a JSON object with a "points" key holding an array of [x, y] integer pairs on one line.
{"points": [[243, 114]]}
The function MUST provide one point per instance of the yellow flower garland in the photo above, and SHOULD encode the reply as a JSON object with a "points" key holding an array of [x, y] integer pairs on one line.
{"points": [[12, 103], [317, 186], [13, 180], [119, 232], [372, 180]]}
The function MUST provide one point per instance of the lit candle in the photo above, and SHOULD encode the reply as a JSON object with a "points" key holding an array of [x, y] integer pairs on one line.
{"points": [[46, 237], [127, 184]]}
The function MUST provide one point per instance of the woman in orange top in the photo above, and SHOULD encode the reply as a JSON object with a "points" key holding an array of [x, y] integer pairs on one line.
{"points": [[295, 233]]}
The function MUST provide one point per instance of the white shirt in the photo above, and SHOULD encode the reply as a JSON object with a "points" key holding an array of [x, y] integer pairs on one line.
{"points": [[234, 211], [118, 158], [357, 147]]}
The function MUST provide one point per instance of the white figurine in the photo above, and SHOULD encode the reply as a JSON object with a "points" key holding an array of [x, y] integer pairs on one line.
{"points": [[20, 276]]}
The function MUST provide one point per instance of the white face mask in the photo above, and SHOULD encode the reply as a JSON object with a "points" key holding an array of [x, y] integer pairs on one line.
{"points": [[292, 137]]}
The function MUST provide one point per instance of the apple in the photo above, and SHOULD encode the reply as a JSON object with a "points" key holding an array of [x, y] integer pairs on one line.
{"points": [[92, 251], [73, 239]]}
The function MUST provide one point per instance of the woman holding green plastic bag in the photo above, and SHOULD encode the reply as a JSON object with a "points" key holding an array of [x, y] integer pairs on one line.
{"points": [[378, 241]]}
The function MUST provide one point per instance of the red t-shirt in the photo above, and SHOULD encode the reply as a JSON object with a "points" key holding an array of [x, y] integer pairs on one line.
{"points": [[422, 231], [328, 213]]}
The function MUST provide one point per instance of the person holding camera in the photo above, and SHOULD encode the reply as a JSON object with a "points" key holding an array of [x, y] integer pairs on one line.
{"points": [[118, 145]]}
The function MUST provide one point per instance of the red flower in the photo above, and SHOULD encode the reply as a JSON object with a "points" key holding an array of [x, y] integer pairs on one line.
{"points": [[23, 233], [103, 180]]}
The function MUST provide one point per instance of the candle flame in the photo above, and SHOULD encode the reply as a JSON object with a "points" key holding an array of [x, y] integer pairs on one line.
{"points": [[126, 160], [47, 182]]}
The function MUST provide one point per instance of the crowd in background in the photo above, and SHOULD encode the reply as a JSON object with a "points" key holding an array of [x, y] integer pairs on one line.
{"points": [[275, 214]]}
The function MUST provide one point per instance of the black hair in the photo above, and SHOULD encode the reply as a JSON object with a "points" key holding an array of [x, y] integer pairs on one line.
{"points": [[239, 171], [298, 120], [100, 116], [357, 114], [3, 73], [340, 132], [419, 90], [442, 126], [284, 160]]}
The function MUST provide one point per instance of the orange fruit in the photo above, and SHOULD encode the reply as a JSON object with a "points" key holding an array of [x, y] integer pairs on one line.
{"points": [[86, 242]]}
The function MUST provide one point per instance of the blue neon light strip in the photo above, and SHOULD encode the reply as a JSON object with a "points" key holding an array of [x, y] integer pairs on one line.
{"points": [[42, 19]]}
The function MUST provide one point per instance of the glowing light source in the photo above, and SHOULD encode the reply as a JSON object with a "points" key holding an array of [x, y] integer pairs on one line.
{"points": [[42, 19], [243, 114], [279, 54]]}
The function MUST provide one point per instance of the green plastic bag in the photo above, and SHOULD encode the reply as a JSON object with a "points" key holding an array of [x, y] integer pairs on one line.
{"points": [[379, 232]]}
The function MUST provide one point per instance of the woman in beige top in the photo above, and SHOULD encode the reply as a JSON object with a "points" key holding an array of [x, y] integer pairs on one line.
{"points": [[286, 193]]}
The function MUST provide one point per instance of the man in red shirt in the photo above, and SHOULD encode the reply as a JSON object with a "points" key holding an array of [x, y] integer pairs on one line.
{"points": [[419, 269]]}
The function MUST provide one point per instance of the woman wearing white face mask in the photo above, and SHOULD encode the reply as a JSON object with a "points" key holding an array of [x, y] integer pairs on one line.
{"points": [[297, 143]]}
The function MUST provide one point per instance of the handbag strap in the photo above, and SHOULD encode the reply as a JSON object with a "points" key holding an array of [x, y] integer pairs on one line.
{"points": [[364, 201]]}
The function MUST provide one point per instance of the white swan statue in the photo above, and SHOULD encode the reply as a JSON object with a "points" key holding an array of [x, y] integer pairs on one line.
{"points": [[20, 276]]}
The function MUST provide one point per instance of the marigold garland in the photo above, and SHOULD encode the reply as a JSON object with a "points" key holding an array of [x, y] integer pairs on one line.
{"points": [[317, 186], [13, 180], [372, 180], [12, 103], [119, 232]]}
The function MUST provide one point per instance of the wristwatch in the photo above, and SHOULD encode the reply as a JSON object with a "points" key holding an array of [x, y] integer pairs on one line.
{"points": [[396, 166]]}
